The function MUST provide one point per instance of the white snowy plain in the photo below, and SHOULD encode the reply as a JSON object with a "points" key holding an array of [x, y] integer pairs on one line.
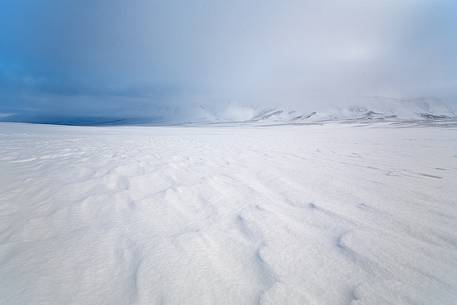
{"points": [[318, 214]]}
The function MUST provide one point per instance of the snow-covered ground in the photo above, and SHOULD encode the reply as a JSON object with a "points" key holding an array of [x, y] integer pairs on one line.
{"points": [[314, 214]]}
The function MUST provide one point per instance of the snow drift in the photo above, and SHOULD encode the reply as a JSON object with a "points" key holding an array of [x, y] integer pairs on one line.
{"points": [[318, 214]]}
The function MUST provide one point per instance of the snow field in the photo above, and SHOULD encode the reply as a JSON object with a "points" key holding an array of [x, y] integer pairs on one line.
{"points": [[325, 214]]}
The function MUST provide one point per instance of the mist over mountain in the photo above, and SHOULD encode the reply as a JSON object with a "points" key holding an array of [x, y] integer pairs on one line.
{"points": [[374, 109]]}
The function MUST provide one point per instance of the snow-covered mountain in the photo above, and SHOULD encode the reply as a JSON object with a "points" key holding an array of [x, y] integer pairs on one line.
{"points": [[361, 109], [368, 109]]}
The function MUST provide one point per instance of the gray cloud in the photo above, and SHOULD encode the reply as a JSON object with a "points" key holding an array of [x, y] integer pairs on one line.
{"points": [[165, 57]]}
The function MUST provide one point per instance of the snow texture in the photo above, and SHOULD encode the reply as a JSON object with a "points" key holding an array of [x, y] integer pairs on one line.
{"points": [[315, 214]]}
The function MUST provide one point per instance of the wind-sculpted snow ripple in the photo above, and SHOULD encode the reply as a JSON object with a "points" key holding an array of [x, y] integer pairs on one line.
{"points": [[324, 214]]}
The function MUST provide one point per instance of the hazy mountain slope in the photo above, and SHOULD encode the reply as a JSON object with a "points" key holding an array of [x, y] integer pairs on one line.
{"points": [[365, 109], [374, 109]]}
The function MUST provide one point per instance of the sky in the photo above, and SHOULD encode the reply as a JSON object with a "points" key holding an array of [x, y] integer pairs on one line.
{"points": [[150, 58]]}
